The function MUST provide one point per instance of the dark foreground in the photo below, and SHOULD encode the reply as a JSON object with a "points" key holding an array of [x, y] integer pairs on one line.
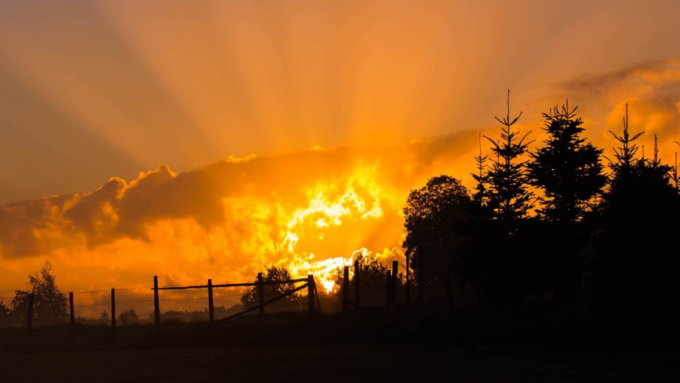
{"points": [[364, 347]]}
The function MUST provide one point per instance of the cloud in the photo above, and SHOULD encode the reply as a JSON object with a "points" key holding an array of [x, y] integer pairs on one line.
{"points": [[309, 211], [652, 92]]}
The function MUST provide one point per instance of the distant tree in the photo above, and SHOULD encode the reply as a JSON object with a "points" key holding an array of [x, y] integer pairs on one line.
{"points": [[174, 316], [639, 223], [5, 315], [128, 317], [50, 305], [435, 216], [567, 169], [373, 276], [105, 319], [509, 197], [274, 274]]}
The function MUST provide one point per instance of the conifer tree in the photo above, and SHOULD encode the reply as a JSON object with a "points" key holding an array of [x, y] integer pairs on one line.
{"points": [[674, 175], [625, 154], [480, 196], [567, 168], [508, 195], [639, 220]]}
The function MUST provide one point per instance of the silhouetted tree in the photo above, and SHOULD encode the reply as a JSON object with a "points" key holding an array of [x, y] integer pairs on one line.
{"points": [[373, 273], [128, 317], [5, 315], [435, 216], [639, 222], [509, 196], [674, 175], [625, 154], [104, 318], [481, 193], [567, 169], [569, 172], [50, 305], [274, 273]]}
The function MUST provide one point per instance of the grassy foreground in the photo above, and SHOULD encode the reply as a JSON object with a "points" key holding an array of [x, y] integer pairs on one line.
{"points": [[374, 345]]}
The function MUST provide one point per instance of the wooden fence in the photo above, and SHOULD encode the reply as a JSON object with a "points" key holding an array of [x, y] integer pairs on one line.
{"points": [[391, 284], [310, 285], [313, 305]]}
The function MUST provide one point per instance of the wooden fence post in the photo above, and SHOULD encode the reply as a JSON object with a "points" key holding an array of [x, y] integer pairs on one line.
{"points": [[395, 277], [408, 279], [345, 288], [113, 312], [316, 296], [211, 307], [29, 318], [260, 292], [421, 276], [310, 295], [357, 284], [156, 304], [71, 311], [388, 286]]}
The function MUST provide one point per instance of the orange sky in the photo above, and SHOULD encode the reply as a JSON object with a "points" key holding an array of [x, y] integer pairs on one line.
{"points": [[393, 92]]}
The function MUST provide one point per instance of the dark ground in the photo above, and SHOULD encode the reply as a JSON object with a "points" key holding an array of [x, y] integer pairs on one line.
{"points": [[370, 346]]}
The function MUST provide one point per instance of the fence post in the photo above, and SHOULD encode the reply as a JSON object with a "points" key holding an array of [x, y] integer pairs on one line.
{"points": [[113, 312], [29, 318], [310, 295], [316, 296], [345, 288], [260, 292], [421, 276], [211, 308], [71, 311], [156, 304], [388, 285], [395, 276], [357, 284], [408, 279]]}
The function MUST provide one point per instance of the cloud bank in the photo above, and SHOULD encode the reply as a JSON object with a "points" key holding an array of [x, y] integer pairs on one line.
{"points": [[309, 211]]}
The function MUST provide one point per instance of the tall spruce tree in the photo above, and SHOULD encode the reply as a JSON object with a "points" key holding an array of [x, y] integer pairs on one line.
{"points": [[567, 169], [639, 222], [481, 194], [509, 197]]}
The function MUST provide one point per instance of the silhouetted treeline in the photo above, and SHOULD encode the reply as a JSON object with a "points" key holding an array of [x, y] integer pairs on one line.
{"points": [[553, 224]]}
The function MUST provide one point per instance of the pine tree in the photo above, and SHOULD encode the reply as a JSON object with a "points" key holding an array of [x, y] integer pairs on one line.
{"points": [[674, 175], [481, 194], [639, 220], [509, 196], [625, 154], [567, 169]]}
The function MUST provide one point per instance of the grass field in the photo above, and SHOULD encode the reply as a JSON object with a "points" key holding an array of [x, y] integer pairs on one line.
{"points": [[371, 346]]}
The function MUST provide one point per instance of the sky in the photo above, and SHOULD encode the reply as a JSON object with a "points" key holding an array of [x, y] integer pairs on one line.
{"points": [[208, 139]]}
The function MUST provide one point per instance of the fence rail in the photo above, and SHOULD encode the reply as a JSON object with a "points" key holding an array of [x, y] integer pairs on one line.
{"points": [[250, 284], [310, 285], [391, 283]]}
